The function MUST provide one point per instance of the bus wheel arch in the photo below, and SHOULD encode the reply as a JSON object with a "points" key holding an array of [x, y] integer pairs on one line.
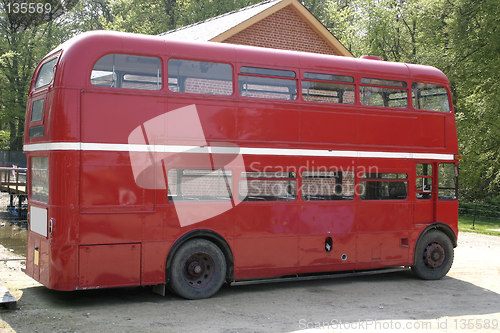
{"points": [[434, 252], [201, 238]]}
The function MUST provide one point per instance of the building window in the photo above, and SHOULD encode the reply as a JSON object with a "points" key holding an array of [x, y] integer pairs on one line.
{"points": [[384, 186], [386, 93], [268, 186], [199, 185], [200, 77], [430, 97], [327, 185], [424, 181], [448, 181], [127, 72]]}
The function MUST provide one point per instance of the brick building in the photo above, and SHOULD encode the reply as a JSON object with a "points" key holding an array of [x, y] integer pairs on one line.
{"points": [[278, 24]]}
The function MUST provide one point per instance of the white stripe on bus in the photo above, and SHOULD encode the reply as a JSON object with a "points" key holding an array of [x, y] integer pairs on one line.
{"points": [[84, 146]]}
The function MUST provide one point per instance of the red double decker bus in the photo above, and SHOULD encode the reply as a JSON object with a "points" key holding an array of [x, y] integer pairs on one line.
{"points": [[191, 165]]}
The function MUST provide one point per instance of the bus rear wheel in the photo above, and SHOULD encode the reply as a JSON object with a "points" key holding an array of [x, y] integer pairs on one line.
{"points": [[433, 256], [198, 269]]}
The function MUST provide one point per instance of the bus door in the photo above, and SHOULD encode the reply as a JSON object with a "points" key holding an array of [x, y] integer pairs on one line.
{"points": [[383, 217], [264, 220], [447, 193], [327, 222], [425, 201]]}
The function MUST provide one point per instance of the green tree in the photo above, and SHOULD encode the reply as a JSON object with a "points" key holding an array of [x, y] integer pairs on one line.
{"points": [[474, 69]]}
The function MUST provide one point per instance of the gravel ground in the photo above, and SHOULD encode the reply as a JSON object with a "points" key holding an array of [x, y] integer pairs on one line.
{"points": [[467, 300]]}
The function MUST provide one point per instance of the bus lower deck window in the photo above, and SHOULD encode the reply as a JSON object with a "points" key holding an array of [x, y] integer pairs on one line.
{"points": [[199, 185], [424, 181], [447, 179], [327, 185], [384, 186], [267, 186]]}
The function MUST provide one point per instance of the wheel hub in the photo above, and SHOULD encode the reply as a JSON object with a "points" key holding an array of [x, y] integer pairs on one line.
{"points": [[194, 268], [199, 270], [434, 255]]}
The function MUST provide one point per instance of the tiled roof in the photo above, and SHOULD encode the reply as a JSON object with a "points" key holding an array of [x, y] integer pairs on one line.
{"points": [[213, 27]]}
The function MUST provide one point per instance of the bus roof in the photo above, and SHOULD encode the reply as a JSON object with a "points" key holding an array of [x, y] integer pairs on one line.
{"points": [[81, 52]]}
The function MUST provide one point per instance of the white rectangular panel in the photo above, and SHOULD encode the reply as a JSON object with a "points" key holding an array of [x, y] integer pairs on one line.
{"points": [[38, 220]]}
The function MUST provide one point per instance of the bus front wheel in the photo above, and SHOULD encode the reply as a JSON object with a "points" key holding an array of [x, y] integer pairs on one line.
{"points": [[198, 269], [433, 256]]}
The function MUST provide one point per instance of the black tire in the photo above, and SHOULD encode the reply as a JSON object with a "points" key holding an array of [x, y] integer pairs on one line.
{"points": [[198, 269], [433, 256]]}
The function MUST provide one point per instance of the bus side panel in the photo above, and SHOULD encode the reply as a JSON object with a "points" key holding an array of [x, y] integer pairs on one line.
{"points": [[63, 269], [109, 265], [381, 130], [328, 127], [383, 231], [63, 119], [254, 122], [107, 184], [447, 212], [154, 258], [110, 117], [266, 242], [383, 225], [430, 130], [320, 221]]}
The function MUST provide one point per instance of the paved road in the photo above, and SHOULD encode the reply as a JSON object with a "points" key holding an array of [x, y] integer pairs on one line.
{"points": [[467, 300]]}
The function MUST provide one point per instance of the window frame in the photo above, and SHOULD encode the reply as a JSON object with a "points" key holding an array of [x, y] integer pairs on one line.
{"points": [[42, 63], [455, 178], [295, 79], [179, 198], [352, 84], [365, 179], [448, 95], [425, 194], [404, 88], [292, 177], [332, 197], [122, 89], [194, 95]]}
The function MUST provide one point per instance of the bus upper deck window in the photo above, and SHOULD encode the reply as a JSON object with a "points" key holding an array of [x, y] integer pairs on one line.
{"points": [[46, 73], [127, 72], [200, 77], [328, 88], [269, 83], [386, 93], [431, 97]]}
